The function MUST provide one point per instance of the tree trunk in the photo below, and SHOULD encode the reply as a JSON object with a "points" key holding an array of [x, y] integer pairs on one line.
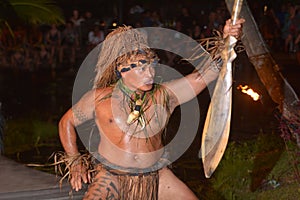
{"points": [[268, 71]]}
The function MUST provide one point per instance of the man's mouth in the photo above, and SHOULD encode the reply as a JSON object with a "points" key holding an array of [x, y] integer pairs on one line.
{"points": [[148, 82]]}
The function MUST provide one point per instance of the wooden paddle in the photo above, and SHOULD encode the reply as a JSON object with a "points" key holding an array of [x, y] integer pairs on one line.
{"points": [[217, 124]]}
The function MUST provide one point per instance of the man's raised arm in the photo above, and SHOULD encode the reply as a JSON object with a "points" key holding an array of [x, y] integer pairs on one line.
{"points": [[188, 87]]}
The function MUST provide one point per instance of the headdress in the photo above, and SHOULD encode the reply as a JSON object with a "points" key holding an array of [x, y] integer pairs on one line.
{"points": [[118, 46]]}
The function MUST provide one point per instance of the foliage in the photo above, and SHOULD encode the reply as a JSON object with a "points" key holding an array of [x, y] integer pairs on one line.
{"points": [[32, 12], [290, 132], [37, 11], [245, 167], [233, 176], [285, 192], [254, 169], [283, 172], [286, 186]]}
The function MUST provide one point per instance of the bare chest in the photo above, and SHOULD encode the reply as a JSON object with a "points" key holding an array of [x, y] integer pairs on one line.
{"points": [[112, 116]]}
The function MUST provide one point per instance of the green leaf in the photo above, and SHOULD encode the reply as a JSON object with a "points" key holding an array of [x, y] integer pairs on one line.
{"points": [[32, 11]]}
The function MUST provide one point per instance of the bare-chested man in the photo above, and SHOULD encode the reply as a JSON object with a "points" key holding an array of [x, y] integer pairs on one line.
{"points": [[131, 112]]}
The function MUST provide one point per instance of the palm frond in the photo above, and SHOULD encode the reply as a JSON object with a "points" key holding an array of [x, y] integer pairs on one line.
{"points": [[37, 11]]}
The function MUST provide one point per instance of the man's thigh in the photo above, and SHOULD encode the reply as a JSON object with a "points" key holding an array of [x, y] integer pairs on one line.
{"points": [[104, 186], [171, 187]]}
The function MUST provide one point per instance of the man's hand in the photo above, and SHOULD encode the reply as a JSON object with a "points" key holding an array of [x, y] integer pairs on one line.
{"points": [[78, 173], [233, 30]]}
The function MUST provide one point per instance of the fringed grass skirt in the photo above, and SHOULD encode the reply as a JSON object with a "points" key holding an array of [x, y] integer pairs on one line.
{"points": [[114, 184], [129, 183], [142, 186]]}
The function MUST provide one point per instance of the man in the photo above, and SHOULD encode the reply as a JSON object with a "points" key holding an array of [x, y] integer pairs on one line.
{"points": [[131, 113]]}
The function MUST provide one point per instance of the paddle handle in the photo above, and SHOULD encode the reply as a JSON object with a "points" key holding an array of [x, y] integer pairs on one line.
{"points": [[237, 6]]}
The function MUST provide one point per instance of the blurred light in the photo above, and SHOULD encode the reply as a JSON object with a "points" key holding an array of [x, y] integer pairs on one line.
{"points": [[265, 9], [245, 89]]}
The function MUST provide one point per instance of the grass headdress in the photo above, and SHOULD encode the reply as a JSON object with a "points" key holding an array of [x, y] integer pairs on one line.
{"points": [[118, 46]]}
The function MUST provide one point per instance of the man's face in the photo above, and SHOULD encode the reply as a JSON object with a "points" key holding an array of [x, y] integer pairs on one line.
{"points": [[138, 73]]}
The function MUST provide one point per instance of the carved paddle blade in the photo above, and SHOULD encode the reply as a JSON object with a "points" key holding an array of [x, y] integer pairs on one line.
{"points": [[217, 124]]}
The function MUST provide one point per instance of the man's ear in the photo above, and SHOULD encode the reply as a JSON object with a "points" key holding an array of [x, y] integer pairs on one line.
{"points": [[118, 74]]}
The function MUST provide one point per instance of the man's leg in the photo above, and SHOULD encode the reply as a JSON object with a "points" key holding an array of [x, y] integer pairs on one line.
{"points": [[104, 186], [171, 187]]}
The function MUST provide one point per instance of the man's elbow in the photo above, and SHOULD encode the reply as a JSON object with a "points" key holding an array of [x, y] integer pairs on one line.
{"points": [[64, 124]]}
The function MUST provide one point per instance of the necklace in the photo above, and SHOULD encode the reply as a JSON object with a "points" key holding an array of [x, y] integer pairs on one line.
{"points": [[138, 101]]}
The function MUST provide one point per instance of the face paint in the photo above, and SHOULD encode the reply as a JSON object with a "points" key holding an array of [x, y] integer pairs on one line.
{"points": [[140, 63]]}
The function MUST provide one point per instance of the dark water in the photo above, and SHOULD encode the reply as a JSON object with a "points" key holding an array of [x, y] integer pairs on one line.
{"points": [[24, 92], [41, 95]]}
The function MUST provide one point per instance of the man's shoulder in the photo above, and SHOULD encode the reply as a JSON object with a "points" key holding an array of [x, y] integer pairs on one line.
{"points": [[160, 90], [101, 93], [94, 94], [103, 90]]}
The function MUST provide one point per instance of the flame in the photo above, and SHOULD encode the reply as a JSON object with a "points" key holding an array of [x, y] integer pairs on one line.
{"points": [[245, 89]]}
